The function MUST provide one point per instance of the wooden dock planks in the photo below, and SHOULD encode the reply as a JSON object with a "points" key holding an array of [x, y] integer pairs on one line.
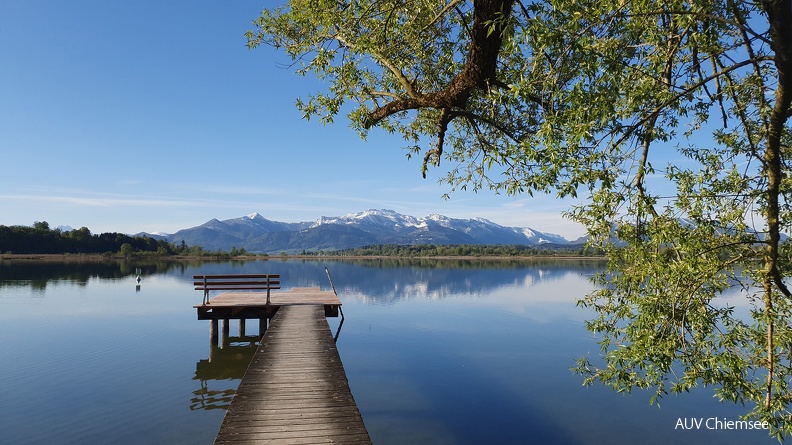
{"points": [[249, 305], [295, 390], [295, 296]]}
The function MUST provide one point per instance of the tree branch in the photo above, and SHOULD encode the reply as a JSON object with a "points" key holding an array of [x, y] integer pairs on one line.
{"points": [[443, 12], [400, 77], [437, 152], [684, 92], [478, 72]]}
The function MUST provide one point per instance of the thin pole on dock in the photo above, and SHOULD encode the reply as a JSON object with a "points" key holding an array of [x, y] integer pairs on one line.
{"points": [[338, 332], [331, 280], [336, 294]]}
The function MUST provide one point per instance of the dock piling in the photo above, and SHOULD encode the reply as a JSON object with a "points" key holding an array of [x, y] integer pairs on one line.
{"points": [[213, 332]]}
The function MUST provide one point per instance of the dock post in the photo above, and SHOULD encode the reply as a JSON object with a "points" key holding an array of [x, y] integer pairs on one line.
{"points": [[262, 326], [213, 332], [213, 351], [241, 327], [224, 342]]}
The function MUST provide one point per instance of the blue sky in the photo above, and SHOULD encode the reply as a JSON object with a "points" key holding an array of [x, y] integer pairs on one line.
{"points": [[154, 116]]}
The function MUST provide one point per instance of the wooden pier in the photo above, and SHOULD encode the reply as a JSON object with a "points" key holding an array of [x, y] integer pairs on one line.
{"points": [[238, 305], [295, 390]]}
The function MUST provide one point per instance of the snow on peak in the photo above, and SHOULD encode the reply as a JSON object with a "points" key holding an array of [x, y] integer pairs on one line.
{"points": [[440, 219], [254, 215], [390, 223], [484, 221], [383, 213], [382, 218]]}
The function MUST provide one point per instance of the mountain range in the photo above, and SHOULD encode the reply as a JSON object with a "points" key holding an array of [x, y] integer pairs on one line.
{"points": [[257, 234]]}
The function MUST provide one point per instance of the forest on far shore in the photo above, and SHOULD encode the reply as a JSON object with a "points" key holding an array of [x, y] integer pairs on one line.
{"points": [[41, 239], [468, 250]]}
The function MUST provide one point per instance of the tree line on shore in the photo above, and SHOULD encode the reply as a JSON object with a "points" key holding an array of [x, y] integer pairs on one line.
{"points": [[467, 250], [41, 239]]}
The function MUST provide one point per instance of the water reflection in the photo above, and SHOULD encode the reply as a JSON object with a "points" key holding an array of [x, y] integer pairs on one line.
{"points": [[393, 280], [438, 280], [37, 274], [220, 374], [455, 352]]}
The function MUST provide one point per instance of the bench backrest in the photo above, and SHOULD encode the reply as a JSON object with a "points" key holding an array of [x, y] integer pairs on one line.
{"points": [[237, 282], [207, 283]]}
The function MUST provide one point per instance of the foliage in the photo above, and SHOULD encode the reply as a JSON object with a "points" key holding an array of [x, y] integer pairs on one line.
{"points": [[40, 239], [238, 252], [461, 250], [126, 249], [669, 118]]}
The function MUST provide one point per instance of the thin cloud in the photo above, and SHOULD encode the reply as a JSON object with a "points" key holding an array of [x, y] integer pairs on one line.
{"points": [[96, 201], [229, 189]]}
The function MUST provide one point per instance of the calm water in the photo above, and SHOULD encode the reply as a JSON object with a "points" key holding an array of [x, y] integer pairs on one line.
{"points": [[451, 352]]}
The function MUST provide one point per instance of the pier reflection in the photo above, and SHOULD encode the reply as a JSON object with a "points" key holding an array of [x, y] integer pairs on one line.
{"points": [[220, 374]]}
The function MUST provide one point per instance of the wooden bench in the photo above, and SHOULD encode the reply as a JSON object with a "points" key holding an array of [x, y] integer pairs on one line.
{"points": [[262, 282]]}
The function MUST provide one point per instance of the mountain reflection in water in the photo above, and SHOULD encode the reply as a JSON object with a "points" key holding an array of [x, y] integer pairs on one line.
{"points": [[452, 352]]}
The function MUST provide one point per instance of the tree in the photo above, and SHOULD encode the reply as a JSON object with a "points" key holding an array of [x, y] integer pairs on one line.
{"points": [[126, 250], [41, 226], [600, 100]]}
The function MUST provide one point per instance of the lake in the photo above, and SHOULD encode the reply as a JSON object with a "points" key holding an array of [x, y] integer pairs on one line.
{"points": [[436, 352]]}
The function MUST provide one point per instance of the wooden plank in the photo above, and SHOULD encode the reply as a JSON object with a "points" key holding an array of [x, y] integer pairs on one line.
{"points": [[299, 295], [201, 277], [211, 287], [236, 283], [295, 390]]}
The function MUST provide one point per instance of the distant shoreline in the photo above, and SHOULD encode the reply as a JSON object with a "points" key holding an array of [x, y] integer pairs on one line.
{"points": [[97, 257]]}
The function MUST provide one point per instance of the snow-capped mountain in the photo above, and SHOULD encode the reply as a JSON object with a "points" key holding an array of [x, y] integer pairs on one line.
{"points": [[258, 234]]}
